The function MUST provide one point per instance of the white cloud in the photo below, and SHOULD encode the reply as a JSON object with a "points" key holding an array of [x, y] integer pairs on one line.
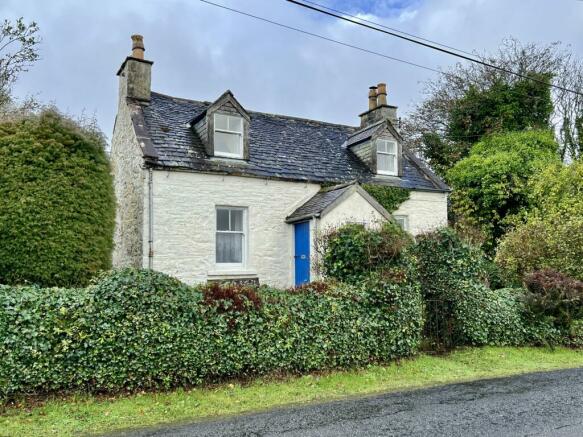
{"points": [[199, 50]]}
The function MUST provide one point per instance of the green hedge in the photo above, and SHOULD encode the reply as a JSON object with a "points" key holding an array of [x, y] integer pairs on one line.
{"points": [[351, 252], [144, 330], [56, 202], [455, 278]]}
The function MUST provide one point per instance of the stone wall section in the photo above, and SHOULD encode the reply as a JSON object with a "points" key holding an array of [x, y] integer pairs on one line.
{"points": [[129, 185]]}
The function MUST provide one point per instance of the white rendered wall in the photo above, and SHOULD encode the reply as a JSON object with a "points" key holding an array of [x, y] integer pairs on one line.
{"points": [[354, 208], [425, 211], [184, 224]]}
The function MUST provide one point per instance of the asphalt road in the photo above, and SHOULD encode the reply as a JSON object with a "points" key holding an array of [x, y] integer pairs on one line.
{"points": [[541, 404]]}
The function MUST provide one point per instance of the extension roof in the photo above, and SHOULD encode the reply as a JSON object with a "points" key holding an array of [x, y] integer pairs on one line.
{"points": [[324, 200], [280, 147]]}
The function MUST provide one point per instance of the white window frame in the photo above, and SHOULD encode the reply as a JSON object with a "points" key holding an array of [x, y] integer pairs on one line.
{"points": [[231, 132], [405, 221], [395, 155], [244, 244]]}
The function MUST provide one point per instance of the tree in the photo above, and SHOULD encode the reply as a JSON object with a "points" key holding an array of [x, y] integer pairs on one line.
{"points": [[18, 50], [428, 128], [552, 236], [502, 107], [491, 184], [56, 201]]}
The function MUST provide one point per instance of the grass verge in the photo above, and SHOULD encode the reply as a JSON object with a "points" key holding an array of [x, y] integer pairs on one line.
{"points": [[87, 415]]}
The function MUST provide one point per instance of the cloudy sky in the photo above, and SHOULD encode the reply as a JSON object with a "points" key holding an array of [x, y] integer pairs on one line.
{"points": [[200, 50]]}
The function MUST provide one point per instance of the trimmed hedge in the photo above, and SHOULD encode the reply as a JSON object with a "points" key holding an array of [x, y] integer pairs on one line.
{"points": [[135, 329], [56, 202]]}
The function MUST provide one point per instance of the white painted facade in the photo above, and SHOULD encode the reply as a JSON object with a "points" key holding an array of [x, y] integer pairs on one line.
{"points": [[181, 238], [184, 223], [424, 210], [354, 209]]}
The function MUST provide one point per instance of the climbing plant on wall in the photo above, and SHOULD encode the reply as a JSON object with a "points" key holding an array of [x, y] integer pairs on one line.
{"points": [[389, 197]]}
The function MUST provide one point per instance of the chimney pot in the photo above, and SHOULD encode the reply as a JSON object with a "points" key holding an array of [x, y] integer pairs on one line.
{"points": [[382, 94], [138, 46], [372, 98]]}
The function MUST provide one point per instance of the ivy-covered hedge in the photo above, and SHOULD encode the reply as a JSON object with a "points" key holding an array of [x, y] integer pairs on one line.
{"points": [[136, 329], [455, 279], [56, 202], [351, 252]]}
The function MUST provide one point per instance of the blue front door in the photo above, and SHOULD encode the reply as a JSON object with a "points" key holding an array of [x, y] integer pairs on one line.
{"points": [[302, 252]]}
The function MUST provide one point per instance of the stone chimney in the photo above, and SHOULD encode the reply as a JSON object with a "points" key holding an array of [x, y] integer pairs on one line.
{"points": [[135, 74], [378, 108]]}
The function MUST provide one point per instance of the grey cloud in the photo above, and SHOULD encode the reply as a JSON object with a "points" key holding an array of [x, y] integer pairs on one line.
{"points": [[199, 51]]}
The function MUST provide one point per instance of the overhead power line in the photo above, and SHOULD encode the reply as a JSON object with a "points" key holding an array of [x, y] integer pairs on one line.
{"points": [[325, 38], [431, 46], [390, 28]]}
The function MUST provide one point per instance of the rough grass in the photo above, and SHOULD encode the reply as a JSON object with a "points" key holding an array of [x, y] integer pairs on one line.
{"points": [[87, 415]]}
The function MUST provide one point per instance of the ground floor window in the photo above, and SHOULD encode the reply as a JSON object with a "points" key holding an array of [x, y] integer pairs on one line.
{"points": [[231, 238], [403, 221]]}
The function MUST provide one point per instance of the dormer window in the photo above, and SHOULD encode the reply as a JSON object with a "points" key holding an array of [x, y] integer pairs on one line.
{"points": [[387, 159], [228, 136]]}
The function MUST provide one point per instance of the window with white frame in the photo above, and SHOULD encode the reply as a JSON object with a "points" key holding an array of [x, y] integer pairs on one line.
{"points": [[387, 159], [403, 221], [228, 135], [231, 238]]}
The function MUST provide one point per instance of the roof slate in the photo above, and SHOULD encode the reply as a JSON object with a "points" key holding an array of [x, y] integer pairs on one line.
{"points": [[279, 147], [318, 203]]}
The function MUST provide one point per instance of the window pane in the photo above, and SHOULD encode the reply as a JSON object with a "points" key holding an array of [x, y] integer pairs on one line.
{"points": [[401, 221], [236, 220], [381, 146], [222, 219], [229, 248], [386, 162], [391, 146], [227, 143], [236, 124], [221, 121]]}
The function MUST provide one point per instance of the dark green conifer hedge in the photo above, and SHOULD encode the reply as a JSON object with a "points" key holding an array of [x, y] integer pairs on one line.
{"points": [[56, 202]]}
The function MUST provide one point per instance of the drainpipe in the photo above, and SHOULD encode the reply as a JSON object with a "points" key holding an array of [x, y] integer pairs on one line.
{"points": [[150, 219]]}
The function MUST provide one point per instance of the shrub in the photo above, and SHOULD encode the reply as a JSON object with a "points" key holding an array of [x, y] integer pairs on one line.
{"points": [[445, 260], [461, 307], [134, 329], [576, 333], [230, 297], [491, 184], [555, 295], [56, 202], [540, 244], [351, 252], [489, 317], [552, 237]]}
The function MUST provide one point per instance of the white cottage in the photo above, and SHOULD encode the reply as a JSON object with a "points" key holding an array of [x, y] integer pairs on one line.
{"points": [[213, 191]]}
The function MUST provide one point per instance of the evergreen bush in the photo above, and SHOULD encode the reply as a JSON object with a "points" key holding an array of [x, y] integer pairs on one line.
{"points": [[138, 329], [56, 202], [352, 252]]}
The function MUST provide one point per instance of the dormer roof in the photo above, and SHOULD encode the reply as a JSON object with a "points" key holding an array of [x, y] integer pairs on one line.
{"points": [[226, 97], [280, 147]]}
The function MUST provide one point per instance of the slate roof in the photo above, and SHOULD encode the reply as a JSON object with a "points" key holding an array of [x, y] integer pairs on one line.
{"points": [[318, 203], [280, 147], [364, 134]]}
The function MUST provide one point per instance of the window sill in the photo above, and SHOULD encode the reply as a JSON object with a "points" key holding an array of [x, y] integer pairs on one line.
{"points": [[230, 273]]}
